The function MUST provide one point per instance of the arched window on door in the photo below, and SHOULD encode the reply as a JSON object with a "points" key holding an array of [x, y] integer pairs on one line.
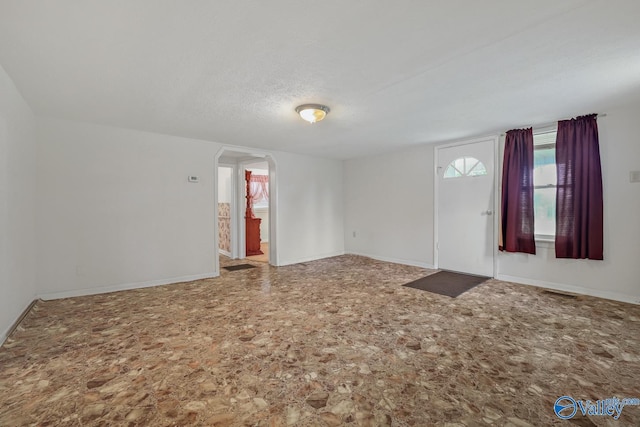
{"points": [[465, 166]]}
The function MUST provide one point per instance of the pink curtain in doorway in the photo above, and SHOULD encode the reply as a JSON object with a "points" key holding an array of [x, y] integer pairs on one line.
{"points": [[259, 188], [257, 191]]}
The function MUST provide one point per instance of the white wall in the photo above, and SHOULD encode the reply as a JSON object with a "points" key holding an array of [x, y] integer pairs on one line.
{"points": [[258, 168], [115, 209], [310, 208], [224, 184], [618, 276], [389, 205], [263, 214], [17, 204]]}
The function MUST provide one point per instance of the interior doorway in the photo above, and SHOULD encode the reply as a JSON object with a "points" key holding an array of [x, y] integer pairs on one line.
{"points": [[232, 162], [257, 210], [465, 220]]}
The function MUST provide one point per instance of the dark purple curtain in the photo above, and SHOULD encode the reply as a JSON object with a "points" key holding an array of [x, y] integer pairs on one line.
{"points": [[579, 202], [517, 233]]}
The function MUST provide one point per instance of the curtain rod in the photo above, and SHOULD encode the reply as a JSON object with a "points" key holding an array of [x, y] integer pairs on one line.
{"points": [[546, 125]]}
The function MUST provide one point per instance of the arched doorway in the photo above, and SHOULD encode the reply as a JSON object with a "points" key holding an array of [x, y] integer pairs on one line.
{"points": [[237, 159]]}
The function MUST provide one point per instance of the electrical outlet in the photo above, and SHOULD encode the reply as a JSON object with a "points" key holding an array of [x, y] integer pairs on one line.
{"points": [[354, 234]]}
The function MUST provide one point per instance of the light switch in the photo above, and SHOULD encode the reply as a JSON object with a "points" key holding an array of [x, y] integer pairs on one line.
{"points": [[634, 176]]}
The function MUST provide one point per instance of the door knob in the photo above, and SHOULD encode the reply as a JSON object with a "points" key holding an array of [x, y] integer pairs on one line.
{"points": [[489, 212]]}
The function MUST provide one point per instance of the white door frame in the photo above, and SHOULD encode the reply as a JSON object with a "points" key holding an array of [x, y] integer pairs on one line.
{"points": [[436, 194], [239, 192], [233, 209]]}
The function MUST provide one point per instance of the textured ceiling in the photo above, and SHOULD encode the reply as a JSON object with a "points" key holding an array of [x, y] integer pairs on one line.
{"points": [[394, 73]]}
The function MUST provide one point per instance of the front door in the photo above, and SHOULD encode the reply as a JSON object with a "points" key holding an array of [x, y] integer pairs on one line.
{"points": [[465, 207]]}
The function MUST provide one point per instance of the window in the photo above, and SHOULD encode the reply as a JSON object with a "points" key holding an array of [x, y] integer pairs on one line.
{"points": [[544, 184], [465, 166]]}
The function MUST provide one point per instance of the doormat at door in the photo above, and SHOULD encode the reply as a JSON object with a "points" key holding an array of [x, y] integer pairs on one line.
{"points": [[447, 283], [238, 267]]}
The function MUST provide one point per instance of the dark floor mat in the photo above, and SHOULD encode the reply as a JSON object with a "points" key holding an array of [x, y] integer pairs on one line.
{"points": [[447, 283], [238, 267]]}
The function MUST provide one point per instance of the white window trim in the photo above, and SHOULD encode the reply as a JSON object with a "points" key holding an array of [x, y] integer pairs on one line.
{"points": [[545, 241]]}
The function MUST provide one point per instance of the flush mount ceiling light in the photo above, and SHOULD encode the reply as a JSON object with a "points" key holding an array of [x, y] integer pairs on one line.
{"points": [[312, 112]]}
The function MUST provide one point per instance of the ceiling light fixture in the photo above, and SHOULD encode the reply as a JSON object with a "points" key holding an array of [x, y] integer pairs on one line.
{"points": [[312, 112]]}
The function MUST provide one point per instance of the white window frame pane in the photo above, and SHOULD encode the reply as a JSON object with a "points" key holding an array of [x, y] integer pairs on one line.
{"points": [[545, 139], [474, 171]]}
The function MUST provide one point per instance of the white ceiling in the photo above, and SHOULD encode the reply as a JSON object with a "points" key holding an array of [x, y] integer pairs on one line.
{"points": [[395, 73]]}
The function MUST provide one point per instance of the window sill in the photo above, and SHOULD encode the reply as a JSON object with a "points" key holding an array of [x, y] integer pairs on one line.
{"points": [[545, 242]]}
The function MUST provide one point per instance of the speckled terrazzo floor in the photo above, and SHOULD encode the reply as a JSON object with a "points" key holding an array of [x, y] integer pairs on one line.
{"points": [[331, 342]]}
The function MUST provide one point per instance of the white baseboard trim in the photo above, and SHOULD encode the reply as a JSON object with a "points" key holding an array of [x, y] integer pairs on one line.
{"points": [[225, 253], [5, 334], [615, 296], [123, 287], [395, 260], [311, 258]]}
